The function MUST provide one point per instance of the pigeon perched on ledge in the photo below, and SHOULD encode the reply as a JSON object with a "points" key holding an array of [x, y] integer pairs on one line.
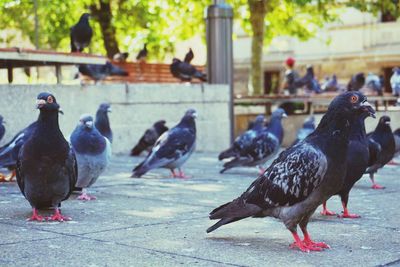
{"points": [[263, 147], [172, 149], [381, 148], [189, 56], [149, 138], [46, 166], [303, 176], [243, 141], [356, 164], [102, 122], [185, 71], [100, 72], [92, 152], [81, 34]]}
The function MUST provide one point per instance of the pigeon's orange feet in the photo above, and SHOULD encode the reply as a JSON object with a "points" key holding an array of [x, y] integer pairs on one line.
{"points": [[35, 216], [348, 215], [377, 186], [86, 197], [58, 217], [325, 211]]}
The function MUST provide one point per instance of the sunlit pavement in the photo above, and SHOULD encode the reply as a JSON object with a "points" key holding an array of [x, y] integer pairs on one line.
{"points": [[160, 221]]}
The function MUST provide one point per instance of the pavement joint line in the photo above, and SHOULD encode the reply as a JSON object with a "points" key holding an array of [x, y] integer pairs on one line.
{"points": [[395, 262], [29, 240]]}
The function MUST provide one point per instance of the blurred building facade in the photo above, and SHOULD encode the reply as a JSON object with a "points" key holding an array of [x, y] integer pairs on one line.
{"points": [[358, 42]]}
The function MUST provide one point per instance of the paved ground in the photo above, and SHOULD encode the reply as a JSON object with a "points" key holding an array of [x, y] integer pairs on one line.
{"points": [[158, 221]]}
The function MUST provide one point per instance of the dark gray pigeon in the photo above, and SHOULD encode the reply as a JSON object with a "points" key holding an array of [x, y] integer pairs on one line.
{"points": [[2, 127], [396, 135], [102, 122], [302, 177], [356, 82], [100, 72], [185, 71], [81, 34], [142, 55], [172, 149], [46, 166], [381, 148], [149, 138], [306, 130], [92, 152], [263, 147], [189, 56], [243, 141]]}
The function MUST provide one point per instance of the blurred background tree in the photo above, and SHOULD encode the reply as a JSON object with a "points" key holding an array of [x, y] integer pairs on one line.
{"points": [[125, 25]]}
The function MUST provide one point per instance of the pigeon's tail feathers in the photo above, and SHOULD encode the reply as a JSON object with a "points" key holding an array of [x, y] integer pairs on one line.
{"points": [[201, 76], [139, 148], [232, 211], [139, 170], [228, 153], [235, 163]]}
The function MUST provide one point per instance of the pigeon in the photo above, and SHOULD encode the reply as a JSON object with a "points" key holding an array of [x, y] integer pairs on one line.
{"points": [[306, 130], [396, 135], [303, 176], [373, 82], [9, 152], [142, 55], [189, 56], [149, 138], [81, 34], [242, 142], [46, 165], [381, 148], [102, 123], [121, 57], [185, 71], [309, 81], [356, 82], [395, 81], [173, 148], [2, 127], [330, 84], [92, 152], [101, 72], [356, 164], [263, 147]]}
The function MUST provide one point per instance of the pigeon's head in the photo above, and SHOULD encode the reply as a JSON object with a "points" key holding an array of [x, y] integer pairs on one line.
{"points": [[309, 122], [160, 126], [85, 17], [279, 113], [105, 107], [86, 121], [191, 113], [260, 119], [175, 60], [384, 120], [47, 102], [352, 103]]}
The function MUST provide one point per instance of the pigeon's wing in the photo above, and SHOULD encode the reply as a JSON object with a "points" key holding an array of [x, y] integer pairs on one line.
{"points": [[72, 37], [71, 168], [20, 175], [263, 146], [242, 142], [150, 136], [291, 178], [374, 151]]}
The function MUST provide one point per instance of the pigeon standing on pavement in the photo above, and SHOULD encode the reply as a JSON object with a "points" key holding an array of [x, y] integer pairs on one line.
{"points": [[381, 148], [395, 81], [306, 130], [2, 127], [263, 147], [172, 149], [374, 83], [92, 152], [356, 82], [189, 56], [396, 135], [185, 71], [100, 72], [102, 122], [149, 138], [356, 164], [243, 141], [81, 34], [46, 166], [303, 176], [142, 55]]}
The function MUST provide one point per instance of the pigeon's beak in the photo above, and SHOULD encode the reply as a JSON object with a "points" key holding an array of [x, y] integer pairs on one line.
{"points": [[109, 109], [40, 103], [366, 106], [387, 122], [194, 115], [89, 124], [284, 115], [60, 111]]}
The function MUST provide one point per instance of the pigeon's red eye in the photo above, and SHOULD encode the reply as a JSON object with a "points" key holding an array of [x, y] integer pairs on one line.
{"points": [[50, 99], [354, 99]]}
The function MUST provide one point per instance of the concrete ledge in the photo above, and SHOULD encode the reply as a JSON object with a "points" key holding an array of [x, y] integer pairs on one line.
{"points": [[135, 108]]}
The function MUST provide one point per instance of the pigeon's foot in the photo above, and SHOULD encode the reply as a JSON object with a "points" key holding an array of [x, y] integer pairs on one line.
{"points": [[35, 216], [347, 214], [180, 175], [392, 162], [377, 186], [85, 197], [5, 179], [325, 211], [58, 217], [298, 243], [317, 246]]}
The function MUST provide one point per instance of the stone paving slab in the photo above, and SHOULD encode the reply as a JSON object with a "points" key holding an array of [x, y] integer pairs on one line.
{"points": [[160, 221]]}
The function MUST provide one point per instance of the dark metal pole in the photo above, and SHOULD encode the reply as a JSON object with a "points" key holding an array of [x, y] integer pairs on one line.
{"points": [[35, 8], [219, 50]]}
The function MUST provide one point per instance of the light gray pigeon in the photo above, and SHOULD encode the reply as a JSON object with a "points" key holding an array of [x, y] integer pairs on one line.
{"points": [[92, 152]]}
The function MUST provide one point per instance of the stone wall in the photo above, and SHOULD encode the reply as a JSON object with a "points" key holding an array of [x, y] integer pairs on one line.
{"points": [[134, 108]]}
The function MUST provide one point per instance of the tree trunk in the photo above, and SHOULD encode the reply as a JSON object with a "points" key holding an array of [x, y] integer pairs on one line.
{"points": [[258, 10], [104, 16]]}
